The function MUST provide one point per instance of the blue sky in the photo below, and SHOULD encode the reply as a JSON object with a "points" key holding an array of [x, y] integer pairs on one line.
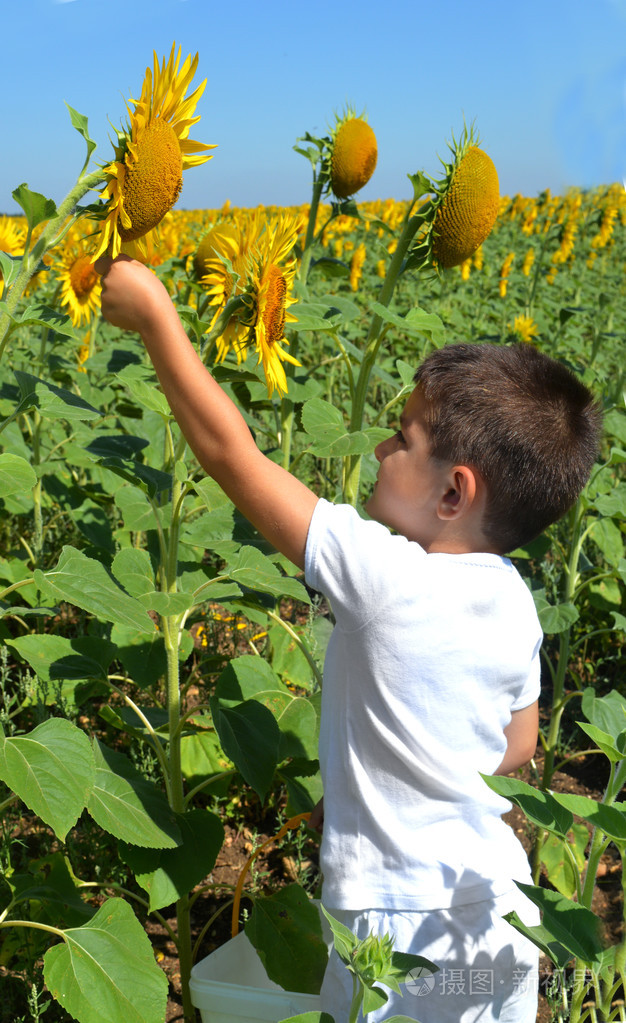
{"points": [[544, 80]]}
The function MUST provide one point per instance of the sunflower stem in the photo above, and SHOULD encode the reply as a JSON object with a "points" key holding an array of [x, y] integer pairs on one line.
{"points": [[305, 263], [352, 463], [47, 239]]}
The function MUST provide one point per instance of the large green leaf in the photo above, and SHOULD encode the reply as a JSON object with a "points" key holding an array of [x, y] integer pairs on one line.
{"points": [[286, 930], [605, 712], [560, 870], [252, 569], [84, 582], [570, 924], [16, 475], [35, 205], [168, 874], [55, 658], [127, 805], [540, 807], [105, 971], [610, 819], [52, 770], [53, 401], [250, 738], [132, 568], [244, 678]]}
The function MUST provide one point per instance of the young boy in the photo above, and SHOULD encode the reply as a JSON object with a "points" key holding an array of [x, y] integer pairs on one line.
{"points": [[432, 671]]}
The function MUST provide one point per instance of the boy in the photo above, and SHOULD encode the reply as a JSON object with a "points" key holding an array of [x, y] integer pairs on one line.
{"points": [[432, 671]]}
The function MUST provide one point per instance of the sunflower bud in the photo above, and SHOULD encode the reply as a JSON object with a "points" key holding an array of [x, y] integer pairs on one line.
{"points": [[354, 156]]}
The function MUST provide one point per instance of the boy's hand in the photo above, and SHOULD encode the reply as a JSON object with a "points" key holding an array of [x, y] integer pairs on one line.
{"points": [[132, 296]]}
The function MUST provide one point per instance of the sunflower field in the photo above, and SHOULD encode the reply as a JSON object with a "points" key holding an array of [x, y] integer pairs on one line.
{"points": [[160, 664]]}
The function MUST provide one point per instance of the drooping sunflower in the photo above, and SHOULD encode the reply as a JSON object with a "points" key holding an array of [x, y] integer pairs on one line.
{"points": [[146, 176], [80, 285], [462, 209], [353, 154]]}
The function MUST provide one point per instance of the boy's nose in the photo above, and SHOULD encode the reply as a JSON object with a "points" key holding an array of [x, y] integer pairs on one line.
{"points": [[380, 450]]}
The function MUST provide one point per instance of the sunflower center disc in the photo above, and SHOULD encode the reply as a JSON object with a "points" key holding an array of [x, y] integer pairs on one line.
{"points": [[83, 277], [274, 310], [153, 182]]}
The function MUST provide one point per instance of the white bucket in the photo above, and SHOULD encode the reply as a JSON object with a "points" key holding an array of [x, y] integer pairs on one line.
{"points": [[231, 986]]}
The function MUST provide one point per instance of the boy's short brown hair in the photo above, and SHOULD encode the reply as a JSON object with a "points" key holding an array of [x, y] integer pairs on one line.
{"points": [[526, 423]]}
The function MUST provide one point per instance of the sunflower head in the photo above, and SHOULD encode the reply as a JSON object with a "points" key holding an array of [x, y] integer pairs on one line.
{"points": [[462, 208], [468, 210], [80, 285], [353, 155], [146, 176]]}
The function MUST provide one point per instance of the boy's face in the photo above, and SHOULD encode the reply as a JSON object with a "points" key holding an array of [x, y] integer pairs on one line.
{"points": [[410, 483]]}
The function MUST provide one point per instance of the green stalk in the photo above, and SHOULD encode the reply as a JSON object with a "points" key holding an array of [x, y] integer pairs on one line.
{"points": [[305, 263], [46, 240], [352, 463]]}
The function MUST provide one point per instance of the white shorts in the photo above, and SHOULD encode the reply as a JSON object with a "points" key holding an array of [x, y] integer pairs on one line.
{"points": [[487, 970]]}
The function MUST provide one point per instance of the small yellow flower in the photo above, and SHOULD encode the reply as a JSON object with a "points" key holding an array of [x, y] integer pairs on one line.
{"points": [[356, 266], [80, 286], [504, 273], [529, 259], [525, 328]]}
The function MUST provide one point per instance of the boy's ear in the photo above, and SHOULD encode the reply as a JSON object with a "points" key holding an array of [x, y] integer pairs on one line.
{"points": [[460, 494]]}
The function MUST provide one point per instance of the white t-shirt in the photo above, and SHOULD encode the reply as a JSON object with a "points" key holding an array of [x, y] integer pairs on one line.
{"points": [[429, 656]]}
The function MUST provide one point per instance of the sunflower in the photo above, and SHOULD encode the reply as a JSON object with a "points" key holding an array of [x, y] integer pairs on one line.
{"points": [[80, 286], [260, 273], [269, 294], [12, 238], [462, 210], [146, 176], [221, 263], [354, 154]]}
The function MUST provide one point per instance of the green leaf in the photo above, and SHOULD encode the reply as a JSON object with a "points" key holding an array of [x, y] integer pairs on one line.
{"points": [[169, 874], [127, 805], [146, 394], [16, 475], [132, 568], [541, 808], [35, 205], [38, 315], [250, 738], [151, 481], [105, 971], [10, 266], [606, 534], [555, 618], [343, 939], [79, 121], [286, 931], [612, 504], [613, 747], [610, 819], [314, 1017], [52, 771], [246, 678], [570, 924], [543, 938], [201, 756], [55, 658], [417, 321], [54, 402], [605, 712], [84, 582], [559, 867], [252, 569]]}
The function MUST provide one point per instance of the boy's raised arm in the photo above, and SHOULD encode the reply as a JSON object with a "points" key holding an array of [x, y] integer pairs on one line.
{"points": [[276, 503]]}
